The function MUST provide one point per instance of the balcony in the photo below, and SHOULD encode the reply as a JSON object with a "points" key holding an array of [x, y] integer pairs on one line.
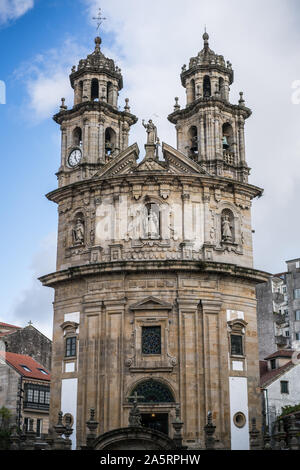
{"points": [[28, 405], [282, 341]]}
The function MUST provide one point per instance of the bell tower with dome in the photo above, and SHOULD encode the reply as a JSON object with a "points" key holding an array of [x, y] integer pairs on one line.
{"points": [[210, 130], [154, 283], [94, 130]]}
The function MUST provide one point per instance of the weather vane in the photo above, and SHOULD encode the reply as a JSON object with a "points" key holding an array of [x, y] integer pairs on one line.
{"points": [[99, 19]]}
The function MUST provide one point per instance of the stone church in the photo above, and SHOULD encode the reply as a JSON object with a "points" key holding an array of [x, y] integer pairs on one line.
{"points": [[154, 284]]}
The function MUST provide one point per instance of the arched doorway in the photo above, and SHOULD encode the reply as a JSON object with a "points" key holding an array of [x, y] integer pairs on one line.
{"points": [[154, 398], [134, 438]]}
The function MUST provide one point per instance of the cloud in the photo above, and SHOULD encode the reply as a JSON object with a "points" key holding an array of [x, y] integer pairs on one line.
{"points": [[46, 78], [13, 9], [35, 302]]}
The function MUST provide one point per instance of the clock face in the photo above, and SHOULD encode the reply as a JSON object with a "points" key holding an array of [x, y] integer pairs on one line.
{"points": [[74, 157]]}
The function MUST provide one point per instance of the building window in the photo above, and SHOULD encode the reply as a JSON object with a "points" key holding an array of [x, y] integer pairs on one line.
{"points": [[287, 333], [38, 427], [298, 336], [297, 293], [273, 364], [153, 391], [237, 345], [37, 396], [26, 368], [151, 339], [284, 386], [71, 346], [297, 315]]}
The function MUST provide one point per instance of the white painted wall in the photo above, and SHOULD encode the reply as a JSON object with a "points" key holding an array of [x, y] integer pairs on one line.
{"points": [[276, 399], [238, 394], [69, 403]]}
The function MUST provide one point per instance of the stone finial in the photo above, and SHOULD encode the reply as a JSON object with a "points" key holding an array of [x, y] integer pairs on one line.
{"points": [[63, 107], [135, 418], [209, 430], [241, 100], [293, 432], [97, 44], [127, 107], [176, 106], [92, 424], [254, 436], [205, 39], [59, 428], [177, 425]]}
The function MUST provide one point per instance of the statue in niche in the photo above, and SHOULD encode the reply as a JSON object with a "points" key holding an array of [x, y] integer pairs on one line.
{"points": [[151, 222], [151, 131], [78, 232], [226, 229]]}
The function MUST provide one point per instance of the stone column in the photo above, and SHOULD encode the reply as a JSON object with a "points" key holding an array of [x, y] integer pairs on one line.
{"points": [[86, 92], [218, 152], [241, 140], [185, 199], [180, 145], [202, 140], [214, 363], [63, 145], [189, 93], [125, 135], [101, 150], [115, 96], [86, 139]]}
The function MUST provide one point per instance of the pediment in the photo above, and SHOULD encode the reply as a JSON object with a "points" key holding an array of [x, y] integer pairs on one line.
{"points": [[151, 303], [122, 164], [179, 163], [150, 165]]}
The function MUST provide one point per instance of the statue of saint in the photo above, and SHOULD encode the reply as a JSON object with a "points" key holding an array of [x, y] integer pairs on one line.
{"points": [[151, 131], [150, 223], [226, 229], [78, 232]]}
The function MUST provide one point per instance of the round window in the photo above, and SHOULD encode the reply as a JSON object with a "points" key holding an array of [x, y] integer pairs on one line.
{"points": [[239, 419]]}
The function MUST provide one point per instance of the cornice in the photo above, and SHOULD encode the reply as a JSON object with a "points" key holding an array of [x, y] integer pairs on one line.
{"points": [[253, 276], [202, 103]]}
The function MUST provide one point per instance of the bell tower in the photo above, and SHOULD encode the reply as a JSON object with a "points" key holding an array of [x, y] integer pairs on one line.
{"points": [[94, 130], [210, 130]]}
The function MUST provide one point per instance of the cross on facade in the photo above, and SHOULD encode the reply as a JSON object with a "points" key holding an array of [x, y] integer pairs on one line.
{"points": [[99, 19], [135, 397]]}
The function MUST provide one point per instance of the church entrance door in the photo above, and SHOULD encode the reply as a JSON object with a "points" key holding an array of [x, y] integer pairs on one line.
{"points": [[156, 421]]}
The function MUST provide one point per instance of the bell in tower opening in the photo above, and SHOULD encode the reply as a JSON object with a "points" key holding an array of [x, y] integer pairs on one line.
{"points": [[154, 283]]}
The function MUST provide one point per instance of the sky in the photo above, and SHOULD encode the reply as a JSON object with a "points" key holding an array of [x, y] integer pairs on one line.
{"points": [[150, 41]]}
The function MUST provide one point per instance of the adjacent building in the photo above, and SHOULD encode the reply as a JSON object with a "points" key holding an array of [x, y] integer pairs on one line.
{"points": [[28, 341], [280, 383], [25, 390], [154, 285], [278, 310]]}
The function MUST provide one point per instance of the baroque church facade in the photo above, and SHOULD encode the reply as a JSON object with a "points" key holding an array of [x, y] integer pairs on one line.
{"points": [[154, 284]]}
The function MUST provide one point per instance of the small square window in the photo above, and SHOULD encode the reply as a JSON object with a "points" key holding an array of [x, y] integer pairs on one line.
{"points": [[237, 345], [151, 340], [284, 386], [287, 333]]}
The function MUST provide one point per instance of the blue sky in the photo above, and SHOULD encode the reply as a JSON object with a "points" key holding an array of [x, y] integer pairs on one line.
{"points": [[42, 39]]}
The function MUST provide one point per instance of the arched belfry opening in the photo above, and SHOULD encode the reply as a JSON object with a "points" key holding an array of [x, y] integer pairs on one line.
{"points": [[110, 141], [95, 89], [193, 141], [206, 87], [77, 137], [227, 137]]}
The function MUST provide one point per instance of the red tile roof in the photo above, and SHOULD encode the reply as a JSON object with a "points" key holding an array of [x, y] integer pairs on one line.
{"points": [[268, 377], [9, 326], [19, 360], [280, 353]]}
